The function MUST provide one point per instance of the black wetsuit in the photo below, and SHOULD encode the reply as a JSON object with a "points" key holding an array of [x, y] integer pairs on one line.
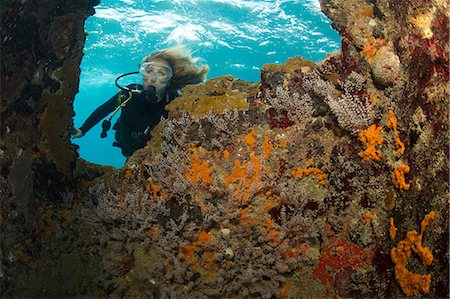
{"points": [[137, 119]]}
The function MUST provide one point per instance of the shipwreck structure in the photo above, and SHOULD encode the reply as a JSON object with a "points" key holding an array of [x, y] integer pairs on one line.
{"points": [[322, 180]]}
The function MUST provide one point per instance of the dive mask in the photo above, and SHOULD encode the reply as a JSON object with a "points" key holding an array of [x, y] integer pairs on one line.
{"points": [[160, 71]]}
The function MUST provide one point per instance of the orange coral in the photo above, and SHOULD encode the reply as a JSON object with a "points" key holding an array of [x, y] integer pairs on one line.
{"points": [[370, 138], [246, 218], [188, 250], [392, 229], [201, 169], [239, 175], [257, 168], [368, 217], [203, 237], [321, 176], [226, 154], [250, 139], [392, 123], [188, 253], [371, 47], [267, 146], [254, 217], [128, 174], [155, 191], [424, 253], [398, 176], [412, 284]]}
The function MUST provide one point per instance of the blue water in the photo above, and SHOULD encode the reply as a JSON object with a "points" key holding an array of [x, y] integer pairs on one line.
{"points": [[234, 37]]}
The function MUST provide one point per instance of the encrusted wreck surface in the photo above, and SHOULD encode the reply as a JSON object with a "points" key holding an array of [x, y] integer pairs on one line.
{"points": [[322, 180]]}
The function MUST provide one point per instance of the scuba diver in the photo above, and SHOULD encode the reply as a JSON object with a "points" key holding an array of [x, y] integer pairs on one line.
{"points": [[164, 73]]}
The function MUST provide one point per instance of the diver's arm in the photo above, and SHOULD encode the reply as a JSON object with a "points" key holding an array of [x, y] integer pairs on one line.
{"points": [[99, 114]]}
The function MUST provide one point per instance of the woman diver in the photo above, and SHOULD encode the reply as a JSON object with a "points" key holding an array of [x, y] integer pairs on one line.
{"points": [[164, 73]]}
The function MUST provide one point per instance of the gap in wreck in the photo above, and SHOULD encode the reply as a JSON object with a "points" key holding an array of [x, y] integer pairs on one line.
{"points": [[234, 37]]}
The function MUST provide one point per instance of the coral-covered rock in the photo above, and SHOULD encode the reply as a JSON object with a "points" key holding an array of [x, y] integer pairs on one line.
{"points": [[385, 66], [310, 183]]}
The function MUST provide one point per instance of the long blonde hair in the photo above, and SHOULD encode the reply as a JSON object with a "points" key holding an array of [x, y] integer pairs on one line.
{"points": [[185, 68]]}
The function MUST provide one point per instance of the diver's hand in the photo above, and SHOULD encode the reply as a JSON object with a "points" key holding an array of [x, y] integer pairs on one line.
{"points": [[76, 133]]}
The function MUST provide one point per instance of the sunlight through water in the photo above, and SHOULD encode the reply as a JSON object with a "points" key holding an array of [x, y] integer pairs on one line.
{"points": [[234, 37]]}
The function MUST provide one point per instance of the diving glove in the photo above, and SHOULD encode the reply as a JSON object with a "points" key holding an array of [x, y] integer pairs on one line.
{"points": [[75, 133]]}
